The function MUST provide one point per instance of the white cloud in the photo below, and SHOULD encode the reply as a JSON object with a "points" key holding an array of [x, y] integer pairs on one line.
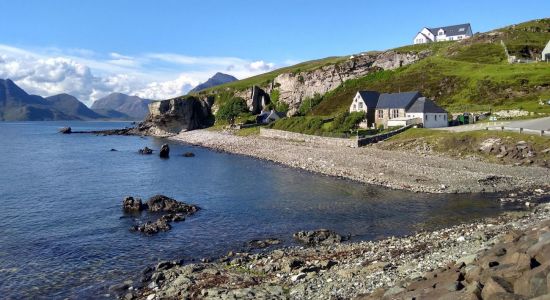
{"points": [[89, 76]]}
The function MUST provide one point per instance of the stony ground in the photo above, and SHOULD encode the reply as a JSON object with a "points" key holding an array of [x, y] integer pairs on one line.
{"points": [[427, 172], [497, 258]]}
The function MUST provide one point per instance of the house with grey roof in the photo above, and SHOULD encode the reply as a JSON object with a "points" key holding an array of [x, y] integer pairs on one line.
{"points": [[398, 109], [446, 33]]}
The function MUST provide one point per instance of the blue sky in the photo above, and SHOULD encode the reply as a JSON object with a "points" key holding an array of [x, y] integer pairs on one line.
{"points": [[162, 48]]}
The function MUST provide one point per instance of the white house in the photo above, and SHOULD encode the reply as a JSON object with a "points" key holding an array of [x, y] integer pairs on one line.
{"points": [[398, 109], [546, 52], [447, 33], [431, 115]]}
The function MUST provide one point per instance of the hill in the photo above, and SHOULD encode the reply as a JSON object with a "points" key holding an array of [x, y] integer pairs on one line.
{"points": [[70, 106], [468, 75], [17, 105], [121, 104], [217, 79]]}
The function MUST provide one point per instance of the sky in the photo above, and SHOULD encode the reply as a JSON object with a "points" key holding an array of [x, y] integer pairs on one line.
{"points": [[161, 49]]}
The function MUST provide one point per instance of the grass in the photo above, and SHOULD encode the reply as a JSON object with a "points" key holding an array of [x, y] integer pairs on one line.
{"points": [[248, 131], [459, 144]]}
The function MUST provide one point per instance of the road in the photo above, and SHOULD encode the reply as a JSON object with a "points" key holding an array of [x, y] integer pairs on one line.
{"points": [[534, 124]]}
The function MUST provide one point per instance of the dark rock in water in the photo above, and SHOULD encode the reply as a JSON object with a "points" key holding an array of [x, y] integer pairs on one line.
{"points": [[173, 217], [260, 244], [153, 227], [321, 236], [113, 150], [161, 203], [188, 154], [131, 204], [145, 150], [164, 151], [66, 130]]}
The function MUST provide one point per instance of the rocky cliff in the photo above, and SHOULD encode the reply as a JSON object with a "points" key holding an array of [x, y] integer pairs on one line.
{"points": [[295, 87], [174, 115]]}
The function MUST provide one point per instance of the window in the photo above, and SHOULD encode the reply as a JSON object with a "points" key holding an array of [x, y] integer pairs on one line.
{"points": [[435, 117], [441, 32], [354, 107], [445, 117], [380, 114], [426, 117], [394, 113], [360, 105], [461, 29]]}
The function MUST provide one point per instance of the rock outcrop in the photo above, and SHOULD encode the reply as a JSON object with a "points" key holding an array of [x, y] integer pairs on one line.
{"points": [[169, 117], [294, 87], [317, 237], [164, 151]]}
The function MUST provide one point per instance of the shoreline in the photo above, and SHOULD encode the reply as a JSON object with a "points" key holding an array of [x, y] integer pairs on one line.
{"points": [[392, 169], [340, 270]]}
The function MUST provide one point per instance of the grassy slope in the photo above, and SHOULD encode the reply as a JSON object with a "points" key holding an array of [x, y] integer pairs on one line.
{"points": [[471, 75], [461, 144]]}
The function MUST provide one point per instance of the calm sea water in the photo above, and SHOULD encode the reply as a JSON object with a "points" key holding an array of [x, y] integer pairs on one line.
{"points": [[63, 234]]}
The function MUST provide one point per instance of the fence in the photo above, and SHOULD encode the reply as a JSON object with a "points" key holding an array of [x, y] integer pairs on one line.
{"points": [[521, 130]]}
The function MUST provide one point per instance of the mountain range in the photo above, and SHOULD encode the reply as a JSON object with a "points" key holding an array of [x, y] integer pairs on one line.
{"points": [[18, 105], [217, 79]]}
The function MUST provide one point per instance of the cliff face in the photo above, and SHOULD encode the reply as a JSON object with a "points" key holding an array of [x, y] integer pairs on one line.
{"points": [[295, 87], [172, 116]]}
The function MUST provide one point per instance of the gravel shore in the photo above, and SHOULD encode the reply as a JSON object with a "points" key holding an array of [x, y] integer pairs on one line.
{"points": [[394, 169], [393, 266]]}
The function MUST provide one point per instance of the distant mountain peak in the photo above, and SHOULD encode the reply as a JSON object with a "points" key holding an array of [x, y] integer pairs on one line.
{"points": [[218, 79], [132, 106]]}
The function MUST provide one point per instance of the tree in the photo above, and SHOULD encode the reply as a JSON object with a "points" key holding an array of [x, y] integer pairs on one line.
{"points": [[231, 109]]}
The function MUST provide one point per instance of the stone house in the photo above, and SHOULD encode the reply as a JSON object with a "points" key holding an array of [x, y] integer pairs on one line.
{"points": [[447, 33], [398, 109]]}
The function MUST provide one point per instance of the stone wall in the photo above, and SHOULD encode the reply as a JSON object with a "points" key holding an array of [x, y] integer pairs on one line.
{"points": [[311, 139]]}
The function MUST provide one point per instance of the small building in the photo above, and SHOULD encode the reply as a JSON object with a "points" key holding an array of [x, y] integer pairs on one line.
{"points": [[398, 109], [266, 117], [446, 33], [546, 53]]}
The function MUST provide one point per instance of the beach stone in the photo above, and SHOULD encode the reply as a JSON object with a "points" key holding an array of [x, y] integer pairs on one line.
{"points": [[495, 285], [164, 151], [260, 244], [316, 237], [533, 283], [467, 260], [131, 204]]}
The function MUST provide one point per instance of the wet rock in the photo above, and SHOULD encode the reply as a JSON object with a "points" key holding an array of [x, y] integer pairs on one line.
{"points": [[161, 203], [113, 150], [150, 228], [188, 154], [145, 151], [260, 244], [65, 130], [164, 151], [321, 236], [131, 204]]}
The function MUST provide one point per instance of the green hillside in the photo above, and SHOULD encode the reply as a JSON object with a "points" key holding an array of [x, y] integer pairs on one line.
{"points": [[469, 75]]}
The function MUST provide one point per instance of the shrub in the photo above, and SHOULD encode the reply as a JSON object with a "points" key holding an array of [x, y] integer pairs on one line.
{"points": [[232, 108], [309, 103]]}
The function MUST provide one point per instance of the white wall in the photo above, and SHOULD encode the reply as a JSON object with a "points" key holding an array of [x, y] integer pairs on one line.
{"points": [[431, 120], [356, 103]]}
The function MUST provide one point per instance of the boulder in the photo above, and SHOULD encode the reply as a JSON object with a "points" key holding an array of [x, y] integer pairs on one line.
{"points": [[496, 285], [131, 204], [161, 203], [65, 130], [260, 244], [533, 283], [145, 150], [188, 154], [316, 237], [153, 227], [164, 151]]}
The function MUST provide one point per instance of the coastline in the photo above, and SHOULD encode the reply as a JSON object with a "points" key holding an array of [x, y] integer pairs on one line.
{"points": [[391, 268], [392, 169]]}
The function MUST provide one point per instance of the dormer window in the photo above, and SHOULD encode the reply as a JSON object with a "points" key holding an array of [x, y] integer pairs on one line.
{"points": [[441, 32], [461, 29]]}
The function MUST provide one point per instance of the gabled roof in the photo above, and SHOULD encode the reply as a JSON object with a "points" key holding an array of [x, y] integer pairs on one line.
{"points": [[370, 98], [452, 30], [397, 100], [425, 105]]}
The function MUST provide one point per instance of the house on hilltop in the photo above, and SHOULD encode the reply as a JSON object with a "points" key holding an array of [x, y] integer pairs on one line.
{"points": [[398, 109], [447, 33], [546, 53]]}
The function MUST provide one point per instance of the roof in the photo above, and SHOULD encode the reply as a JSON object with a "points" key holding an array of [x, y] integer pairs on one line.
{"points": [[425, 105], [369, 97], [452, 30], [397, 100]]}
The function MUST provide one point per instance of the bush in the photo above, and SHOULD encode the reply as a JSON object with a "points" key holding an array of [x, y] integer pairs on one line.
{"points": [[344, 122], [232, 108], [309, 103]]}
